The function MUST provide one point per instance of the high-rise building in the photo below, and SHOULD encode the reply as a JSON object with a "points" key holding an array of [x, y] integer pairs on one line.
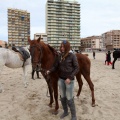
{"points": [[18, 27], [63, 22]]}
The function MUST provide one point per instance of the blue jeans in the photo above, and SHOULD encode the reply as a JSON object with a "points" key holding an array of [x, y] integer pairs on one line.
{"points": [[66, 90]]}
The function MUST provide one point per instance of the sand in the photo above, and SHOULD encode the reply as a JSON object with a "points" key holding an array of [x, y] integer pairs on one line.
{"points": [[31, 103]]}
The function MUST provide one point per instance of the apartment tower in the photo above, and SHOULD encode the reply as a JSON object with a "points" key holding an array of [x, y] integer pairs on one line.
{"points": [[18, 27], [63, 22]]}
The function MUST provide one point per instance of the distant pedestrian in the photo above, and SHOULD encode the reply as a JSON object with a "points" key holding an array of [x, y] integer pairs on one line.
{"points": [[109, 58], [106, 59], [37, 73], [94, 54]]}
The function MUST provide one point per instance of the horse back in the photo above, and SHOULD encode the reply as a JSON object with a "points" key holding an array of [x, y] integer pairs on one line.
{"points": [[84, 62]]}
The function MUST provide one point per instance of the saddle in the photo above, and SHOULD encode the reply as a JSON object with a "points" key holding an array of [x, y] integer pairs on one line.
{"points": [[25, 54]]}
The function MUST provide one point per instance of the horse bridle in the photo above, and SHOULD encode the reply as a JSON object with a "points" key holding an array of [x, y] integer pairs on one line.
{"points": [[32, 54], [40, 59]]}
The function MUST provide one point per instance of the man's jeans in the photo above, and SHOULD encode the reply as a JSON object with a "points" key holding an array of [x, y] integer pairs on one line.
{"points": [[66, 90]]}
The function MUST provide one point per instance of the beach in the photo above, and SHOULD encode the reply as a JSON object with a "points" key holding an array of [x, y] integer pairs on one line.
{"points": [[31, 103]]}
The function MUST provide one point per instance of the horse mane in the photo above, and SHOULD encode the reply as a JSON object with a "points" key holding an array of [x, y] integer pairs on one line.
{"points": [[52, 49]]}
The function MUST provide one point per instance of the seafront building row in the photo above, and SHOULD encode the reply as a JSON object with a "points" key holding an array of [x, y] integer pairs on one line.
{"points": [[62, 23]]}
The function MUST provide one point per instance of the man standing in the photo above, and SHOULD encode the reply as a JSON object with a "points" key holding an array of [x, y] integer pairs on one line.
{"points": [[94, 54]]}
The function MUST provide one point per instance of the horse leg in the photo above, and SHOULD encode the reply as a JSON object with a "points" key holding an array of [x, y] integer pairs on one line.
{"points": [[50, 88], [80, 83], [114, 63], [50, 92], [55, 89], [24, 76], [88, 79]]}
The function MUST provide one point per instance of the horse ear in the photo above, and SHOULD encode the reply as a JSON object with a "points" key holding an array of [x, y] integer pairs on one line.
{"points": [[29, 40], [38, 40]]}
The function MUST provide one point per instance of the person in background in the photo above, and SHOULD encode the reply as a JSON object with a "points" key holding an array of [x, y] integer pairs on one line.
{"points": [[94, 54], [109, 58], [37, 73], [68, 67], [106, 59]]}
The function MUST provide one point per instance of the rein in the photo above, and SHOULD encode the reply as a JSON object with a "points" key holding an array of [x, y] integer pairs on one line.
{"points": [[32, 54]]}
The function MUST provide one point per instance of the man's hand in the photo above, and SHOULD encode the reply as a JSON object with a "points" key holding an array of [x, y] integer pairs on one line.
{"points": [[67, 81]]}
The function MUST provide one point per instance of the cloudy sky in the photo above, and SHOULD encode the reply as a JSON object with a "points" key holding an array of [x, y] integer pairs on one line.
{"points": [[97, 16]]}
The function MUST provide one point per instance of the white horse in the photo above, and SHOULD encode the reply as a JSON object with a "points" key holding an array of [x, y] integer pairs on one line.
{"points": [[12, 59]]}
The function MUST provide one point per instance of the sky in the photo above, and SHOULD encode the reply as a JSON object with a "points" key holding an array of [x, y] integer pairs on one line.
{"points": [[97, 16]]}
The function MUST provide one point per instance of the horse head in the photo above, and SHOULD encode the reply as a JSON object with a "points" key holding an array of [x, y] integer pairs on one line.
{"points": [[36, 52]]}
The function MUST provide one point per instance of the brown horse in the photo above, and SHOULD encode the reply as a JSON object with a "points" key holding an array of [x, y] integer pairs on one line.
{"points": [[45, 56]]}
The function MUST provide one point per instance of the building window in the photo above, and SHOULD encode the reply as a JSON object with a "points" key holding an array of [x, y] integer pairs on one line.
{"points": [[22, 18], [28, 19], [28, 32]]}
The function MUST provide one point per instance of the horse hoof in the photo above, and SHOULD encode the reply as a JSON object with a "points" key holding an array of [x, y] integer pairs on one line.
{"points": [[76, 97], [50, 105], [55, 112], [93, 105]]}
